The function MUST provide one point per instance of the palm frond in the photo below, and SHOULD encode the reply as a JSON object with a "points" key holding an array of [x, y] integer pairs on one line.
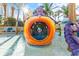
{"points": [[65, 10]]}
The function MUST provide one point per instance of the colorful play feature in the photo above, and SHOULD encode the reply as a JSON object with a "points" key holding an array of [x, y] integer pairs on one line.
{"points": [[71, 31], [39, 30]]}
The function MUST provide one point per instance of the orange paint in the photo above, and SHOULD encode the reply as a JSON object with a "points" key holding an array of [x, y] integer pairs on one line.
{"points": [[48, 22]]}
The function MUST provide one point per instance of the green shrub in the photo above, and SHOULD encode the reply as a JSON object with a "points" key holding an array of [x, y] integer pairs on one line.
{"points": [[10, 21]]}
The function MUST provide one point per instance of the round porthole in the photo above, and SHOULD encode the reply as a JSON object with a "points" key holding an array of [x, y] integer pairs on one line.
{"points": [[39, 30]]}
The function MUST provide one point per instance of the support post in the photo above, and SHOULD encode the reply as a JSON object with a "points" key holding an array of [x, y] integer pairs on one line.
{"points": [[71, 12]]}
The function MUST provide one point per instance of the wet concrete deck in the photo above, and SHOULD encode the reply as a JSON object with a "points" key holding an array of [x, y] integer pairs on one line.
{"points": [[16, 45]]}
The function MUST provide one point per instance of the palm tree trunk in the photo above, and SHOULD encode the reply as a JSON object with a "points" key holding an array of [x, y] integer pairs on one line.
{"points": [[12, 10], [5, 6], [17, 22]]}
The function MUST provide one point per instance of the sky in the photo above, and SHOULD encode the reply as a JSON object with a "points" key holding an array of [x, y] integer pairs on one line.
{"points": [[32, 6]]}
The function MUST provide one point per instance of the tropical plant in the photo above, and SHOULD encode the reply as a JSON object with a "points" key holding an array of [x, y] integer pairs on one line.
{"points": [[0, 18], [10, 21], [57, 13], [48, 9], [65, 10]]}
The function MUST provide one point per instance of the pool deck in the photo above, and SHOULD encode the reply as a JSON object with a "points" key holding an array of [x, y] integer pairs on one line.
{"points": [[16, 45]]}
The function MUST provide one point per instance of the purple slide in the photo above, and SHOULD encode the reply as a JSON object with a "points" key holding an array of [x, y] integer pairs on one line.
{"points": [[72, 41]]}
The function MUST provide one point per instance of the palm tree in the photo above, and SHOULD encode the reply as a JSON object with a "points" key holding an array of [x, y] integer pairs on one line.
{"points": [[19, 6], [48, 8], [65, 10], [0, 18], [18, 9], [57, 13], [12, 10], [5, 8], [5, 12], [1, 13]]}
